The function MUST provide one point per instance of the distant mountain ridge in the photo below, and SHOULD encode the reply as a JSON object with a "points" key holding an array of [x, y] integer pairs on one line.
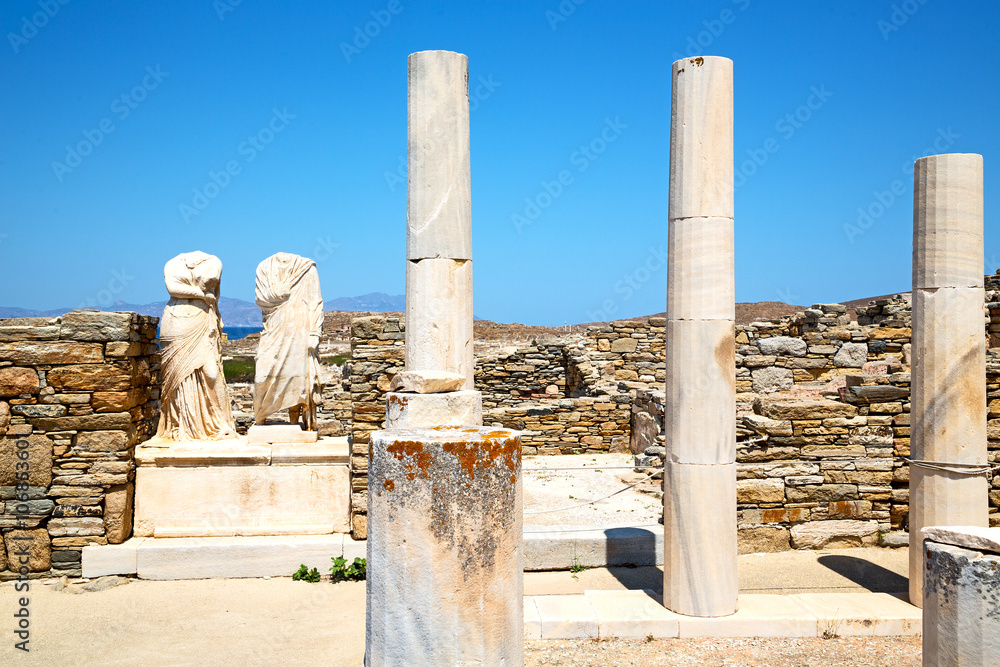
{"points": [[234, 312]]}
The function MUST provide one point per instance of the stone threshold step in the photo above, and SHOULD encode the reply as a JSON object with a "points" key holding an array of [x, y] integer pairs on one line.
{"points": [[172, 558], [545, 548], [638, 614]]}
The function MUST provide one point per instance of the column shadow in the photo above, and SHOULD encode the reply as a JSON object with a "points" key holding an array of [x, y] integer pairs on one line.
{"points": [[871, 576], [631, 558]]}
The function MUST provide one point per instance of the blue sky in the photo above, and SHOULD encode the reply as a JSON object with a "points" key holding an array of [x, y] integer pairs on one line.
{"points": [[136, 131]]}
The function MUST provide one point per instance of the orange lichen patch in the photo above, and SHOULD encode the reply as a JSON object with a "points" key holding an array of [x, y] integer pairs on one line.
{"points": [[388, 485], [396, 400], [494, 445], [419, 459]]}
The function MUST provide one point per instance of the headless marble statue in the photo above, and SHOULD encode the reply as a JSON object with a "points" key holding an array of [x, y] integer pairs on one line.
{"points": [[287, 374], [194, 398]]}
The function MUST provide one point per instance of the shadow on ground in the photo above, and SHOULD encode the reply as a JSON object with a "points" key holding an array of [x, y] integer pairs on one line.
{"points": [[866, 574]]}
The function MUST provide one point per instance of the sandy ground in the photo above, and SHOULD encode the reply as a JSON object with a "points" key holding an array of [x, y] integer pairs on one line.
{"points": [[270, 621], [280, 621]]}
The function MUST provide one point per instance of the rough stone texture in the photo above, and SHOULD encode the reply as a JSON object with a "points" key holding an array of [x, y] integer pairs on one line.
{"points": [[118, 513], [15, 381], [763, 539], [961, 606], [769, 380], [28, 547], [453, 408], [851, 355], [439, 190], [445, 560], [976, 538], [427, 382], [948, 349], [93, 393], [835, 534]]}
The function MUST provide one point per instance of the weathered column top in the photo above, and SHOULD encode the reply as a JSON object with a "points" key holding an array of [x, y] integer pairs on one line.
{"points": [[976, 538]]}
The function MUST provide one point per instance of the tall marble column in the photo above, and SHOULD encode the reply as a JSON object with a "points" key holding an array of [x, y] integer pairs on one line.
{"points": [[948, 377], [439, 348], [699, 568]]}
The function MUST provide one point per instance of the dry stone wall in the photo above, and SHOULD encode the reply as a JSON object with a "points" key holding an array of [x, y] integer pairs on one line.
{"points": [[822, 402], [77, 393]]}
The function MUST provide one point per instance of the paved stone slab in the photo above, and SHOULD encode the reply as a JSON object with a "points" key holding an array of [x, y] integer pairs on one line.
{"points": [[632, 614], [101, 560], [235, 557], [567, 617], [532, 620], [759, 615], [560, 547], [266, 434], [861, 614]]}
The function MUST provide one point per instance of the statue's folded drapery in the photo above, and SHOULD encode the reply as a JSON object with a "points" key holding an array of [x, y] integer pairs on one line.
{"points": [[287, 372], [194, 400]]}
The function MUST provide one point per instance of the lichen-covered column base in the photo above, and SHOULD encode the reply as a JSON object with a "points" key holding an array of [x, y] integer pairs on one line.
{"points": [[445, 561]]}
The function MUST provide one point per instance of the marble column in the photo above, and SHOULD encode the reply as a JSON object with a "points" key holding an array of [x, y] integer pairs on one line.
{"points": [[699, 569], [445, 559], [438, 248], [948, 376]]}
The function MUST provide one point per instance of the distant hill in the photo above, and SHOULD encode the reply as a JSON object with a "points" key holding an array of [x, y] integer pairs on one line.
{"points": [[234, 312], [376, 302]]}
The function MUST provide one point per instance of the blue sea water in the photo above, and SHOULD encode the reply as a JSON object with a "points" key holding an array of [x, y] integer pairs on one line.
{"points": [[236, 333]]}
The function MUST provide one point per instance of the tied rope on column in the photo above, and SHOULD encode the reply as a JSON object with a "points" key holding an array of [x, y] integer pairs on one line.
{"points": [[970, 469]]}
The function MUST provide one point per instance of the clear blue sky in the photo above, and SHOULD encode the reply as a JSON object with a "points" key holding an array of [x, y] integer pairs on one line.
{"points": [[322, 181]]}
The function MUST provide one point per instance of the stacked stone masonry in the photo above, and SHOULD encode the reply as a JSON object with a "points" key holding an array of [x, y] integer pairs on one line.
{"points": [[77, 393], [830, 395]]}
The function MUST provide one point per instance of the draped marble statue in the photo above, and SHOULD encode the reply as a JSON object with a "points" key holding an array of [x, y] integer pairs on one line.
{"points": [[194, 400], [287, 373]]}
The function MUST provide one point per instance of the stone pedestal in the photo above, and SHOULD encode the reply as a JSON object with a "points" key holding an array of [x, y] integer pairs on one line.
{"points": [[267, 434], [445, 558], [961, 603], [450, 408], [948, 401], [699, 568], [229, 489]]}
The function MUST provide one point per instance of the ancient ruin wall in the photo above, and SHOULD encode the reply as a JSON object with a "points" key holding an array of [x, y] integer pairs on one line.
{"points": [[77, 393]]}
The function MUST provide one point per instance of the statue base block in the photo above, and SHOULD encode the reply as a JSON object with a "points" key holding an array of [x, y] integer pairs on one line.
{"points": [[229, 488], [266, 434]]}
